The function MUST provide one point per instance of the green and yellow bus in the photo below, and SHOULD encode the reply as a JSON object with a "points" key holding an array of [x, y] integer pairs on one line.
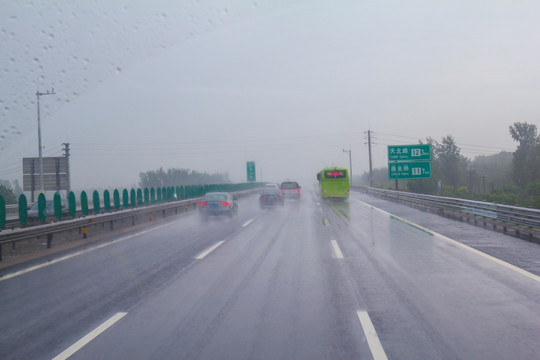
{"points": [[334, 183]]}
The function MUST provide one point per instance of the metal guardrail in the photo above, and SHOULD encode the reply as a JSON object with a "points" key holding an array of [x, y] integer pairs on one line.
{"points": [[507, 214], [49, 229]]}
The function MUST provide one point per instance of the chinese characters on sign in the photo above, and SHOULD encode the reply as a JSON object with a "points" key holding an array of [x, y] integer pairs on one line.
{"points": [[409, 161]]}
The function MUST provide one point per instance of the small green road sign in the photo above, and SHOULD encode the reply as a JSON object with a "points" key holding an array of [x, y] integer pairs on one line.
{"points": [[250, 165], [409, 152], [409, 170]]}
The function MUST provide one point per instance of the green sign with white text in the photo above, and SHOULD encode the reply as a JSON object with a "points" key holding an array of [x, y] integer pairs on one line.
{"points": [[250, 165], [409, 170], [409, 152]]}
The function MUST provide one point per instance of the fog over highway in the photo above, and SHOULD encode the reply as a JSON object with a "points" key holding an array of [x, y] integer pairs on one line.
{"points": [[358, 279]]}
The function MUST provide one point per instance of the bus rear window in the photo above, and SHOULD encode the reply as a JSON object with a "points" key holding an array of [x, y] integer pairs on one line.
{"points": [[335, 174]]}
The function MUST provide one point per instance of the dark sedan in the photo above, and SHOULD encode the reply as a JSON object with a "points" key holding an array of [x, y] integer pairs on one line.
{"points": [[218, 204], [271, 196]]}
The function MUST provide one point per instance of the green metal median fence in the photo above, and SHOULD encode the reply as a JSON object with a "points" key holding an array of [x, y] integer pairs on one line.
{"points": [[146, 196], [23, 210], [2, 212], [84, 203], [72, 204], [130, 199], [42, 203], [139, 197], [106, 201], [125, 199], [133, 198], [57, 206], [96, 202], [116, 199]]}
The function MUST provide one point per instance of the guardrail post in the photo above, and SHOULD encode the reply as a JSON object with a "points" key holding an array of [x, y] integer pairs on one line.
{"points": [[49, 240]]}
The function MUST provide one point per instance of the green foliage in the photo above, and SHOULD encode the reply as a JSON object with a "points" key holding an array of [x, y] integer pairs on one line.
{"points": [[175, 177], [526, 167], [531, 195], [452, 164], [380, 178], [8, 195], [493, 171]]}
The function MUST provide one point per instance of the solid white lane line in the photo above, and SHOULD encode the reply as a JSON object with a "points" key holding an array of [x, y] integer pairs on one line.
{"points": [[457, 243], [89, 337], [36, 267], [208, 251], [248, 222], [337, 250], [371, 336]]}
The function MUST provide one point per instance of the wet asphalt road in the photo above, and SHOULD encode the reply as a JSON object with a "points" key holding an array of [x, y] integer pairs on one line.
{"points": [[303, 281]]}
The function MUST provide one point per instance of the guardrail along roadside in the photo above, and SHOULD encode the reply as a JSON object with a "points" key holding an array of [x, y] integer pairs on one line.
{"points": [[138, 208], [520, 222]]}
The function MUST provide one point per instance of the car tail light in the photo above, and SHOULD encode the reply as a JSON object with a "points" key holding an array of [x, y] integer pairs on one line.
{"points": [[225, 203], [298, 191], [202, 203]]}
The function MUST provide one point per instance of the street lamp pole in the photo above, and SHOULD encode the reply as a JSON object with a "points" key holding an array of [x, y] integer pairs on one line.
{"points": [[350, 164], [38, 94]]}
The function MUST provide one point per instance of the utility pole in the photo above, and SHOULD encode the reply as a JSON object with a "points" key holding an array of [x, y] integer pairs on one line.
{"points": [[66, 155], [350, 165], [370, 163], [38, 94]]}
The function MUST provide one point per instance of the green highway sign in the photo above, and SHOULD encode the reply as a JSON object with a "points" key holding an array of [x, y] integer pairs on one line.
{"points": [[250, 165], [409, 152], [409, 170]]}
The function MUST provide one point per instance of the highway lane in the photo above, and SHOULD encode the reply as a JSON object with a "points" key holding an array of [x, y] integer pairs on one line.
{"points": [[276, 287], [45, 308]]}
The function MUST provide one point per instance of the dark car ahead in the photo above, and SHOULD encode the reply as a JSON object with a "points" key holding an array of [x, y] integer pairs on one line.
{"points": [[218, 204], [290, 190], [271, 196]]}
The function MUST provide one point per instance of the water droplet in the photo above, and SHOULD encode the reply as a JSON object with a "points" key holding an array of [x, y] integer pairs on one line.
{"points": [[118, 70]]}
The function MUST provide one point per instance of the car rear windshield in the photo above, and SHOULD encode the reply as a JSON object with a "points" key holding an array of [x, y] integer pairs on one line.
{"points": [[270, 191], [217, 197], [289, 185]]}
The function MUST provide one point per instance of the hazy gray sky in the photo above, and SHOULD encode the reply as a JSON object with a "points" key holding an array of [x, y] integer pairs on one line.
{"points": [[209, 85]]}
